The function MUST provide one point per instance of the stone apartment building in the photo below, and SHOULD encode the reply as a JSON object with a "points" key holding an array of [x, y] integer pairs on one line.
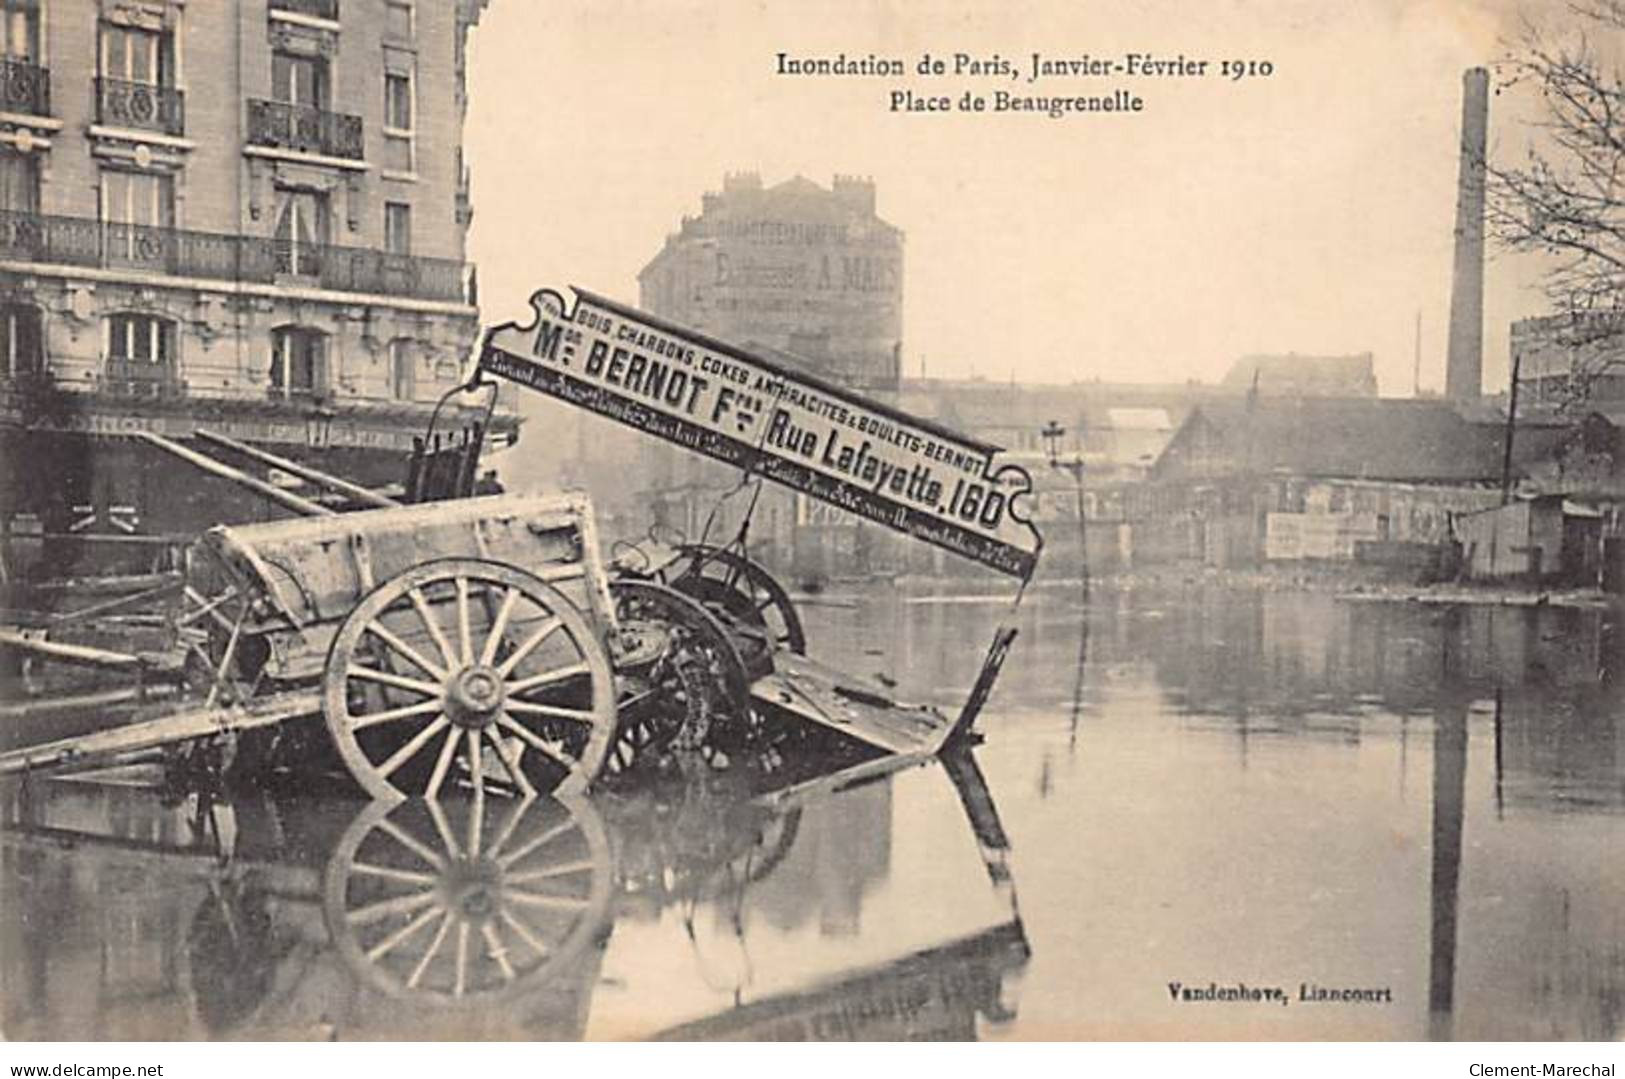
{"points": [[247, 215]]}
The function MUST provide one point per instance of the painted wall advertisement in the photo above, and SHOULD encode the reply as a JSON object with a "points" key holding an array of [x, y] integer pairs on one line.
{"points": [[821, 440]]}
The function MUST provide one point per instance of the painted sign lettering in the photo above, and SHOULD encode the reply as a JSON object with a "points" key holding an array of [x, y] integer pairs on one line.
{"points": [[819, 439]]}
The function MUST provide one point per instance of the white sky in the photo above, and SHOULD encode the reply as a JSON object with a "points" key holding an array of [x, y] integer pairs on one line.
{"points": [[1311, 211]]}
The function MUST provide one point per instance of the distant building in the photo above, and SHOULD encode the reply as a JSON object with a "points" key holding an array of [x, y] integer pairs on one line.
{"points": [[245, 216], [807, 276], [807, 270], [1338, 479], [1550, 539], [1308, 376], [1569, 360]]}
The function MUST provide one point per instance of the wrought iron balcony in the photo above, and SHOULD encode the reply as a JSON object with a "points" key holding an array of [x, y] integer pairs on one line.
{"points": [[299, 127], [24, 88], [142, 105], [77, 241], [320, 9], [141, 378]]}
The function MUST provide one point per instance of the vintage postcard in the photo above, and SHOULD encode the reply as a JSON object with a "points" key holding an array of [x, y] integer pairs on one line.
{"points": [[861, 520]]}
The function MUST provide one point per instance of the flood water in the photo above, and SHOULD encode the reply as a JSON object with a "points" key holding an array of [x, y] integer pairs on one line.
{"points": [[1192, 793]]}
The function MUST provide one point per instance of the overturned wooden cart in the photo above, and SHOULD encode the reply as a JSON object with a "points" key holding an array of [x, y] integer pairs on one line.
{"points": [[484, 640], [477, 641]]}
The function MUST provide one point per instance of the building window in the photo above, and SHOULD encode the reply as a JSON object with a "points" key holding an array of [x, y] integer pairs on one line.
{"points": [[22, 345], [398, 19], [398, 121], [138, 198], [138, 212], [397, 228], [137, 55], [19, 34], [140, 349], [402, 371], [301, 233], [298, 362], [299, 80], [19, 182]]}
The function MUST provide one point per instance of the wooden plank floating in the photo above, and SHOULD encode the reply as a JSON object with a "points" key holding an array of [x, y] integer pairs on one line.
{"points": [[854, 707]]}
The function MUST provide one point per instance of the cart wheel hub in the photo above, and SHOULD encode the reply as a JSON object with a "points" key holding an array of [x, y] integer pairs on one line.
{"points": [[475, 697], [474, 890]]}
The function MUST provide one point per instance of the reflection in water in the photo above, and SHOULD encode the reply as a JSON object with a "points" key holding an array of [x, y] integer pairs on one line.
{"points": [[495, 917], [1216, 786], [1449, 781]]}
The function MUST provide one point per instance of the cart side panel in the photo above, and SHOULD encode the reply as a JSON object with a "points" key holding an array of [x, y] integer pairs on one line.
{"points": [[311, 572]]}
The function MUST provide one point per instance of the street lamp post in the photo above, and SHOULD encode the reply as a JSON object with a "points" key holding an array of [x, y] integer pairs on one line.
{"points": [[1052, 434]]}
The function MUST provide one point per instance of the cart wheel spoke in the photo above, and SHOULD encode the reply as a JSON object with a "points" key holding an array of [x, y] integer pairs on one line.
{"points": [[422, 708], [465, 632], [529, 708], [499, 626], [563, 870], [395, 832], [536, 844], [516, 775], [495, 949], [411, 748], [476, 812], [552, 752], [547, 678], [529, 645], [383, 908], [431, 951], [443, 828], [432, 624], [524, 934], [383, 633], [388, 872], [389, 943], [546, 902], [415, 685], [442, 764], [462, 960]]}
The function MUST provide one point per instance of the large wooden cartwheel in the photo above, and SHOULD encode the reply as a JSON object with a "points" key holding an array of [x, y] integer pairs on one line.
{"points": [[738, 590], [448, 903], [473, 670], [697, 687]]}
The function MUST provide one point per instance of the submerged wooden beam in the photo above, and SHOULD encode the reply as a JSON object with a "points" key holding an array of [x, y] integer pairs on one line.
{"points": [[45, 707], [169, 729], [301, 506]]}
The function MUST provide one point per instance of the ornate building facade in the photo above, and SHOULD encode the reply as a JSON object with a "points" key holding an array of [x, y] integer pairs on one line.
{"points": [[244, 215]]}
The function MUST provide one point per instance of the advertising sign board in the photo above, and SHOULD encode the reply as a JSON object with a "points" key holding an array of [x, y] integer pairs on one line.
{"points": [[822, 440]]}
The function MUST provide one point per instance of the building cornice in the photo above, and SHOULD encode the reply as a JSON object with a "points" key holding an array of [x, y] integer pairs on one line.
{"points": [[300, 158]]}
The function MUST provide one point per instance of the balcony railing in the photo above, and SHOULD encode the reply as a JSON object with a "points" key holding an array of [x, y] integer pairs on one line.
{"points": [[141, 378], [320, 9], [78, 241], [142, 105], [305, 129], [24, 87]]}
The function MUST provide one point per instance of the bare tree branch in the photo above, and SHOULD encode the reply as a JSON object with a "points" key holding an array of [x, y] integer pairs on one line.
{"points": [[1566, 199]]}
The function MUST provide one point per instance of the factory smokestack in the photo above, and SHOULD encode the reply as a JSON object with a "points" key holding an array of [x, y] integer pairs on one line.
{"points": [[1464, 365]]}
